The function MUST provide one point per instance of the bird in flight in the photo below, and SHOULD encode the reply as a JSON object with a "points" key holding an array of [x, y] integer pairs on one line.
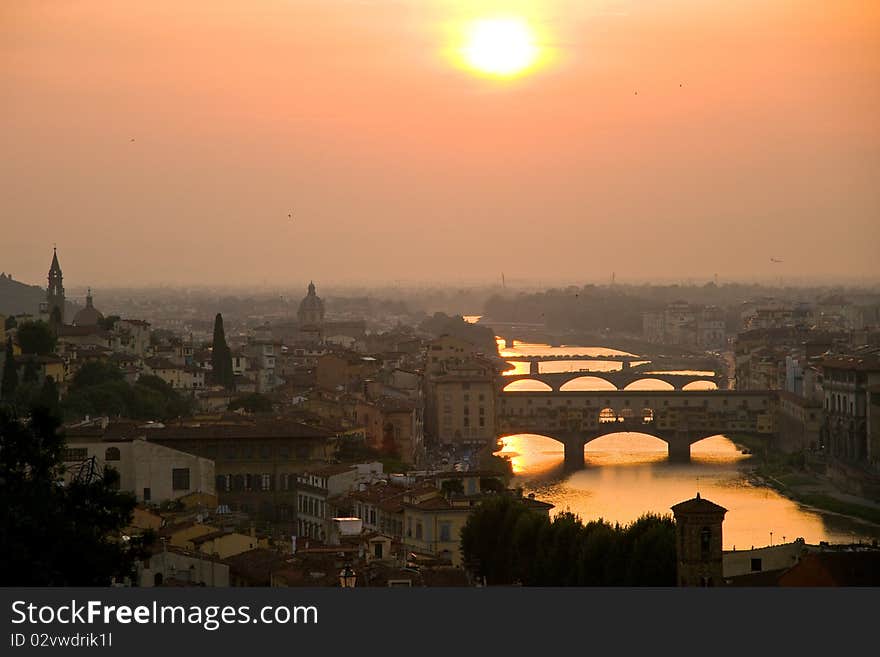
{"points": [[777, 260]]}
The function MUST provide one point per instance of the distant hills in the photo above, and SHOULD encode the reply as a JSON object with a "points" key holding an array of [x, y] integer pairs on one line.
{"points": [[17, 298]]}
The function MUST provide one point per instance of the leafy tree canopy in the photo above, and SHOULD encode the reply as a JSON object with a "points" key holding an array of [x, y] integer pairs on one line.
{"points": [[506, 542], [36, 338], [52, 533]]}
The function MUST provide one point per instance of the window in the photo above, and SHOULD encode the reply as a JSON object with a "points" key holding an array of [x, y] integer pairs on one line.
{"points": [[756, 565], [418, 529], [180, 479], [147, 494], [76, 454], [445, 532], [377, 550], [705, 542], [112, 454], [265, 482]]}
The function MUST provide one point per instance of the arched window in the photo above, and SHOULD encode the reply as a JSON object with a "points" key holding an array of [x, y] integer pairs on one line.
{"points": [[112, 454], [705, 542]]}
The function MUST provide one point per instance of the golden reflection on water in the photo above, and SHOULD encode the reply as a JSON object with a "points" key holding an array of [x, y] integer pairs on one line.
{"points": [[701, 385], [628, 474], [538, 349]]}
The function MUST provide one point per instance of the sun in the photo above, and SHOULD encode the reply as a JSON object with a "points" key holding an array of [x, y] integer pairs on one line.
{"points": [[500, 47]]}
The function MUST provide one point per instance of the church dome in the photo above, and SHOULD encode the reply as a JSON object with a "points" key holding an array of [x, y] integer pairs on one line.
{"points": [[88, 316], [311, 308]]}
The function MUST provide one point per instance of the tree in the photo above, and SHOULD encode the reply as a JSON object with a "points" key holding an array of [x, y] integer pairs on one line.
{"points": [[10, 373], [505, 542], [107, 323], [221, 356], [48, 396], [36, 338], [52, 533], [30, 373], [10, 322], [95, 373]]}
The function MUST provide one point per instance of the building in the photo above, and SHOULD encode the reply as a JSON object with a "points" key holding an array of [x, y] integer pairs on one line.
{"points": [[54, 308], [313, 488], [768, 559], [88, 316], [799, 423], [174, 566], [684, 324], [846, 381], [448, 350], [461, 404], [345, 371], [698, 542], [153, 473], [256, 461], [179, 377]]}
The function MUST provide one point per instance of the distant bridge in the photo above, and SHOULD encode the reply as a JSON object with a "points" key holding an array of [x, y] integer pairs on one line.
{"points": [[679, 418], [619, 379], [620, 358]]}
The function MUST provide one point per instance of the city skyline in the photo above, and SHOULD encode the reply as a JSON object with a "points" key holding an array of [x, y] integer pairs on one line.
{"points": [[344, 146]]}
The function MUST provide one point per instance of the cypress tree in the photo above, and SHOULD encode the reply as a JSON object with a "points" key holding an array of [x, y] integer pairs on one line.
{"points": [[221, 356], [10, 375]]}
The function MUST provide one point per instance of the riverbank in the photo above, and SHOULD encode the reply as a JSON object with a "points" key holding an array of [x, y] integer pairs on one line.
{"points": [[791, 475]]}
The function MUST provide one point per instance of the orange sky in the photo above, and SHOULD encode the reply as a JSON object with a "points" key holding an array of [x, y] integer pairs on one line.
{"points": [[400, 166]]}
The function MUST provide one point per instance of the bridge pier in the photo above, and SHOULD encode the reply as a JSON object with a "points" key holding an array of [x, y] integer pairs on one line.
{"points": [[534, 368], [679, 447], [574, 450]]}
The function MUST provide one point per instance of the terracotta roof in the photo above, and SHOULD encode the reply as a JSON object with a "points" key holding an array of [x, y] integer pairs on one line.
{"points": [[255, 565], [697, 505], [835, 569]]}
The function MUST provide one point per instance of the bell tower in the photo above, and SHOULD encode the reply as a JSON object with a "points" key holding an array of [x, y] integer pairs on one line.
{"points": [[698, 543], [55, 294]]}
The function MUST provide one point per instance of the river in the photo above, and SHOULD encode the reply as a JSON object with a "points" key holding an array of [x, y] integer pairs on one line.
{"points": [[628, 474]]}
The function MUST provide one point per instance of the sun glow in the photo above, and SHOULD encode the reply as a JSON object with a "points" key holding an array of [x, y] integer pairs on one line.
{"points": [[500, 47]]}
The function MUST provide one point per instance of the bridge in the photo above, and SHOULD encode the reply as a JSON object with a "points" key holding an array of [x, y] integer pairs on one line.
{"points": [[619, 379], [679, 418], [619, 358]]}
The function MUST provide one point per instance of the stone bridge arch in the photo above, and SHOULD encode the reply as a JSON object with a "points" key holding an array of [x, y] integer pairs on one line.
{"points": [[613, 380]]}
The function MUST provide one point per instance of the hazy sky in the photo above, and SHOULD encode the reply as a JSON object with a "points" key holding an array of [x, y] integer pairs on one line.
{"points": [[660, 138]]}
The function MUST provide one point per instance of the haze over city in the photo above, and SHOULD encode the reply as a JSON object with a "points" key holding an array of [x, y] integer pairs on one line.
{"points": [[231, 142]]}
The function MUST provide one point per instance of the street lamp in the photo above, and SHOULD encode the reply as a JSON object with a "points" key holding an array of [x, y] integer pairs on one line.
{"points": [[347, 577]]}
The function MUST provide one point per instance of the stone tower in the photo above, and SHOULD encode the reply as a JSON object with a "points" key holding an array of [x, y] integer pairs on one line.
{"points": [[698, 542], [55, 294]]}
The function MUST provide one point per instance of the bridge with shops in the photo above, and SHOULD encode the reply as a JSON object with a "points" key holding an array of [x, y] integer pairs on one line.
{"points": [[680, 418]]}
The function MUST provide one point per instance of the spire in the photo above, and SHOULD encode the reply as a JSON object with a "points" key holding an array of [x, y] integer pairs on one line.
{"points": [[55, 267], [89, 298], [311, 288]]}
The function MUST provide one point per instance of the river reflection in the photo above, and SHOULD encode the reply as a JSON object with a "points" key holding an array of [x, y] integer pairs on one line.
{"points": [[628, 474]]}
